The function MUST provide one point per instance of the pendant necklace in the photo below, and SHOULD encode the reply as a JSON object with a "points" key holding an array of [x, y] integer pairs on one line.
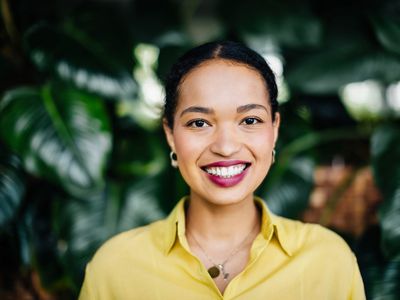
{"points": [[216, 269]]}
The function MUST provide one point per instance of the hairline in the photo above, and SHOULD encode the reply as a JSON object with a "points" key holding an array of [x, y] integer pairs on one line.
{"points": [[232, 62]]}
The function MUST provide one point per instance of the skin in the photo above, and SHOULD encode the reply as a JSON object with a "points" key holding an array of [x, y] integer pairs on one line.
{"points": [[223, 114]]}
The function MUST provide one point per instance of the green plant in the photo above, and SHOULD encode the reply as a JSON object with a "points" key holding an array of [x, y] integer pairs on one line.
{"points": [[79, 162]]}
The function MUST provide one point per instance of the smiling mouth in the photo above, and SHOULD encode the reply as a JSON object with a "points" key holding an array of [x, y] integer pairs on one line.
{"points": [[228, 171]]}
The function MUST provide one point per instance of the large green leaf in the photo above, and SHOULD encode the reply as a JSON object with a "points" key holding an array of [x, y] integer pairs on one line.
{"points": [[288, 184], [61, 133], [129, 160], [152, 19], [40, 245], [387, 31], [326, 72], [77, 59], [12, 187], [381, 276], [385, 148], [289, 196], [286, 23], [114, 43], [86, 223]]}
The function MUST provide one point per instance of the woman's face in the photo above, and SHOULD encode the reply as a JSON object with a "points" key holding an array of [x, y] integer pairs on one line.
{"points": [[223, 132]]}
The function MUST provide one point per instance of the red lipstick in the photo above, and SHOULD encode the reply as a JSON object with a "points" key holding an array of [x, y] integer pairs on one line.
{"points": [[226, 163], [226, 181]]}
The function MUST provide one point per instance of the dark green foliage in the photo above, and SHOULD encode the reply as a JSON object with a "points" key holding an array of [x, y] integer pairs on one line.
{"points": [[73, 172], [381, 275], [74, 58], [385, 155], [12, 187], [61, 134]]}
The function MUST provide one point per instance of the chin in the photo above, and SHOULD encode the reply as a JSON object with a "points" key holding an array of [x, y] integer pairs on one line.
{"points": [[224, 197]]}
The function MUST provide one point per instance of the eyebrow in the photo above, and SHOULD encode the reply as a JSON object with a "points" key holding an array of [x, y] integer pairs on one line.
{"points": [[248, 107], [198, 109], [209, 111]]}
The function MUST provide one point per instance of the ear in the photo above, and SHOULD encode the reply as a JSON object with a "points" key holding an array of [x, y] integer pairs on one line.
{"points": [[169, 135], [276, 125]]}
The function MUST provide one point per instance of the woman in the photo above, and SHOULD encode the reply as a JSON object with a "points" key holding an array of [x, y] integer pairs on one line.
{"points": [[221, 242]]}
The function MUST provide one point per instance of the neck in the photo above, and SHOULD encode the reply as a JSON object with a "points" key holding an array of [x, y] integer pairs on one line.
{"points": [[223, 223]]}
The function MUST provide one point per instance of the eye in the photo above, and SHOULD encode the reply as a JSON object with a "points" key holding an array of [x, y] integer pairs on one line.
{"points": [[251, 121], [197, 123]]}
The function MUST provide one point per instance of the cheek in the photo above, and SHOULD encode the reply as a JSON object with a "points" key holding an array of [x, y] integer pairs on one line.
{"points": [[263, 144], [188, 147]]}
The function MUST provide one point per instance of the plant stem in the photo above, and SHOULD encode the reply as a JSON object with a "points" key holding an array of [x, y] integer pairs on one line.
{"points": [[315, 139], [9, 22]]}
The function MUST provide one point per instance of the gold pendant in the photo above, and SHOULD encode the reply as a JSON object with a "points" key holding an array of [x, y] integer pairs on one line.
{"points": [[213, 271]]}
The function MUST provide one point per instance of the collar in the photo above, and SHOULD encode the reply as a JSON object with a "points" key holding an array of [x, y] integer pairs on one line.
{"points": [[271, 226]]}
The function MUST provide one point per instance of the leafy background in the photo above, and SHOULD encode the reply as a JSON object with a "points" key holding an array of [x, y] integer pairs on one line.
{"points": [[83, 157]]}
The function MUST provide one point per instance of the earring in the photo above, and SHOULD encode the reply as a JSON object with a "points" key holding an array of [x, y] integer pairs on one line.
{"points": [[273, 155], [174, 159]]}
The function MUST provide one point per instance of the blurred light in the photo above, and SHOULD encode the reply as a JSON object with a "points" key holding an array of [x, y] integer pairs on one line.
{"points": [[304, 113], [364, 100], [146, 55], [393, 96], [171, 38], [204, 29], [276, 63], [270, 51], [148, 107]]}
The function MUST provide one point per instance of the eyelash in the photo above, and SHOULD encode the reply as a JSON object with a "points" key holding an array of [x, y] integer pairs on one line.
{"points": [[258, 120], [192, 123]]}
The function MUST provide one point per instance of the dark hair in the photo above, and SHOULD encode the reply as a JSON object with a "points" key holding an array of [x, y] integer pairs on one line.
{"points": [[226, 50]]}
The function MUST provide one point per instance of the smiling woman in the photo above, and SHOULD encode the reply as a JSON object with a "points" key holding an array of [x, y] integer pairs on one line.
{"points": [[221, 241]]}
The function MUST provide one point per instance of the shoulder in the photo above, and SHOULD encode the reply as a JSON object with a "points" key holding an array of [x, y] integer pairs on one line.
{"points": [[128, 245], [305, 238]]}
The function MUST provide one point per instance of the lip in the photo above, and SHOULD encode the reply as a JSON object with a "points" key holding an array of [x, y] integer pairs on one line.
{"points": [[226, 163], [227, 182]]}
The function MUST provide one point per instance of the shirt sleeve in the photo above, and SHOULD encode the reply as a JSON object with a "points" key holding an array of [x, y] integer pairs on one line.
{"points": [[357, 291], [86, 290]]}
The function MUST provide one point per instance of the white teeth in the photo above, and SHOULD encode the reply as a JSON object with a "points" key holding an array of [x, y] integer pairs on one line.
{"points": [[226, 172]]}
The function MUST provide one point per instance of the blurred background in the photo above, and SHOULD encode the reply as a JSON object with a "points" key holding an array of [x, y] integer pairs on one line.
{"points": [[83, 157]]}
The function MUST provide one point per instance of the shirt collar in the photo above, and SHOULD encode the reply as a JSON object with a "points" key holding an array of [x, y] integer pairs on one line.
{"points": [[271, 225]]}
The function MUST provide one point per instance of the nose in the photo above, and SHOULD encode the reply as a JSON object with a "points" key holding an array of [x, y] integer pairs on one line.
{"points": [[226, 141]]}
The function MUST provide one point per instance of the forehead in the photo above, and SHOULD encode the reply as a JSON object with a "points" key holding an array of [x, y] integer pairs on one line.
{"points": [[222, 82]]}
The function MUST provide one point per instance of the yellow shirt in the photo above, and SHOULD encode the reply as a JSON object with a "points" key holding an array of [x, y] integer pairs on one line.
{"points": [[288, 260]]}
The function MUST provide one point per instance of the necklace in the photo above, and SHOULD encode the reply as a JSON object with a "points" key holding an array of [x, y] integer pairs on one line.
{"points": [[216, 269]]}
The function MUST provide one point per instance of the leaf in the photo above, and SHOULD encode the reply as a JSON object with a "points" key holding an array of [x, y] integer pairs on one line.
{"points": [[381, 276], [130, 159], [385, 151], [76, 59], [61, 134], [114, 42], [84, 224], [326, 72], [387, 31], [168, 55], [289, 196], [12, 187], [39, 242], [157, 17], [293, 25], [288, 184]]}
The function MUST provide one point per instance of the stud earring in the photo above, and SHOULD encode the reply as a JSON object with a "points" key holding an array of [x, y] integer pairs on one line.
{"points": [[174, 159], [273, 155]]}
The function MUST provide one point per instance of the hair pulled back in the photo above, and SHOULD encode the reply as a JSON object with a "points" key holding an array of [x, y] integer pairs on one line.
{"points": [[226, 50]]}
